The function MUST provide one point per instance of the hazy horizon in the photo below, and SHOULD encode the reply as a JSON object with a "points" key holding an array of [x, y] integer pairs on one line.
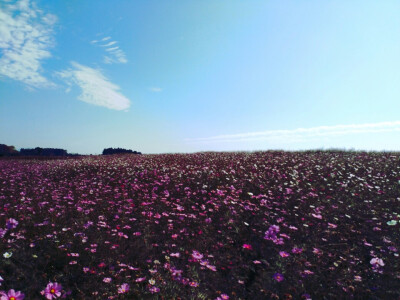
{"points": [[188, 76]]}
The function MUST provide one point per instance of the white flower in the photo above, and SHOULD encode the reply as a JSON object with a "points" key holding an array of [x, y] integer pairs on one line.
{"points": [[7, 254], [377, 262]]}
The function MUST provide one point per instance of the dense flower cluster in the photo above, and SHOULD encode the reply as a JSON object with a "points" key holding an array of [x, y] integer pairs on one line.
{"points": [[262, 225]]}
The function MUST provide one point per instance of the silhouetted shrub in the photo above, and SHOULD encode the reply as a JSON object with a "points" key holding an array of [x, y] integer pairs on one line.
{"points": [[109, 151]]}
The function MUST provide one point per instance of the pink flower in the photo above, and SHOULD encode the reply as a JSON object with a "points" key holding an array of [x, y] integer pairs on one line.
{"points": [[197, 255], [52, 290], [154, 289], [107, 280], [278, 277], [330, 225], [283, 254], [247, 246], [318, 216], [11, 224], [317, 251], [11, 295], [376, 262], [297, 250], [212, 268], [124, 288]]}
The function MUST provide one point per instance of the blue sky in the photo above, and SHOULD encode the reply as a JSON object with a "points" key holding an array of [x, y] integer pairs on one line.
{"points": [[185, 76]]}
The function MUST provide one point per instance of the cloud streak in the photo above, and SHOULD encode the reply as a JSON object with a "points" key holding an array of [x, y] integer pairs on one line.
{"points": [[155, 89], [26, 35], [114, 54], [96, 88], [301, 134]]}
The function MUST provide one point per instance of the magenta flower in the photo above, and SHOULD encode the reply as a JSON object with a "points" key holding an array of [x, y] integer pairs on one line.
{"points": [[11, 295], [271, 234], [197, 255], [11, 223], [140, 279], [107, 280], [278, 277], [296, 250], [2, 232], [154, 289], [124, 288], [52, 290], [283, 254], [247, 246], [376, 262]]}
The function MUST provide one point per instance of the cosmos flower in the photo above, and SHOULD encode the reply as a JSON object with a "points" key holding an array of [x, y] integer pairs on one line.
{"points": [[376, 262], [278, 277], [52, 290], [12, 295], [11, 223], [2, 232], [283, 254], [154, 289], [197, 255], [296, 250], [123, 288], [247, 246]]}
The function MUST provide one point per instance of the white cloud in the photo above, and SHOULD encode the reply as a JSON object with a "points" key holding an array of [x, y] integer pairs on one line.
{"points": [[96, 88], [112, 49], [109, 44], [114, 54], [302, 134], [155, 89], [26, 35]]}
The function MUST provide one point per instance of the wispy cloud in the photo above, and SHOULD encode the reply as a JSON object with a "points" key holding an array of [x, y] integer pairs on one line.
{"points": [[26, 35], [109, 44], [114, 54], [155, 89], [96, 88], [301, 134]]}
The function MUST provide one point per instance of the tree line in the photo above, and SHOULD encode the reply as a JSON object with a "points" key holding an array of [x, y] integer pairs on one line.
{"points": [[6, 150]]}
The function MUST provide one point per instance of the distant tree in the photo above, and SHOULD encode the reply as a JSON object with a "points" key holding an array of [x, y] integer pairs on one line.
{"points": [[8, 150], [109, 151], [43, 152]]}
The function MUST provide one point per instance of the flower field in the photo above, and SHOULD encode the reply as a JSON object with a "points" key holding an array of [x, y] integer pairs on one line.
{"points": [[261, 225]]}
